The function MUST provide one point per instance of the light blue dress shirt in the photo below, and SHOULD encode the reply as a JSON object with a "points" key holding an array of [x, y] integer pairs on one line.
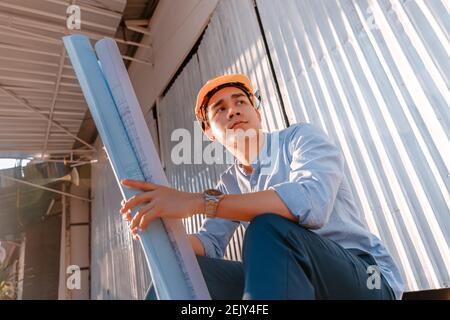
{"points": [[305, 168]]}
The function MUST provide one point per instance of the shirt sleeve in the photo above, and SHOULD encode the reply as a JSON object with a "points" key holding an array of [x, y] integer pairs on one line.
{"points": [[316, 172], [215, 233]]}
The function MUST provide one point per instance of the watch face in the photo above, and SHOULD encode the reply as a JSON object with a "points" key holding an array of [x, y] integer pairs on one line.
{"points": [[213, 192]]}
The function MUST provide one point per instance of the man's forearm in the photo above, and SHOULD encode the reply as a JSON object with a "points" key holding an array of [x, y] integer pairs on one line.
{"points": [[246, 206]]}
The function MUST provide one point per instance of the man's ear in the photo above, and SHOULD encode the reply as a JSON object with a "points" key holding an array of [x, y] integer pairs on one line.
{"points": [[208, 132], [258, 114]]}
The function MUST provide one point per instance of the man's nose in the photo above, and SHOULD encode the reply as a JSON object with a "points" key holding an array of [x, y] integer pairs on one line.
{"points": [[232, 111]]}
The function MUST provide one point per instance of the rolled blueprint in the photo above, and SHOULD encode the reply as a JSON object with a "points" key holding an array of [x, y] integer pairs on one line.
{"points": [[120, 122], [133, 119]]}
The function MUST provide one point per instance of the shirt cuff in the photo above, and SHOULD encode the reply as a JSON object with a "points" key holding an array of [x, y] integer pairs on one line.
{"points": [[293, 196]]}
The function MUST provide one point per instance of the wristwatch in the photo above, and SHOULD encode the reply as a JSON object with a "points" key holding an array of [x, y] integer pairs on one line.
{"points": [[212, 198]]}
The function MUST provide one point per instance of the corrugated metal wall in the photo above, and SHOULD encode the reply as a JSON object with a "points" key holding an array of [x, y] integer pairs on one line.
{"points": [[374, 75], [118, 266], [225, 48]]}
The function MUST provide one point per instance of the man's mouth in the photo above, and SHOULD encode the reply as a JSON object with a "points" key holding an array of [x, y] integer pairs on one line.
{"points": [[237, 123]]}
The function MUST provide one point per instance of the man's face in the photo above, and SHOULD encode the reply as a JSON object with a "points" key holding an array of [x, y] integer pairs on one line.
{"points": [[229, 109]]}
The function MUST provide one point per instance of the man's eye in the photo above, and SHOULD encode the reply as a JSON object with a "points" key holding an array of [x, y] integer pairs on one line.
{"points": [[218, 110], [240, 102]]}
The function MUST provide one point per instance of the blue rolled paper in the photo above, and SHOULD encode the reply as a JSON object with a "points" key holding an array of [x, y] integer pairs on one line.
{"points": [[162, 259]]}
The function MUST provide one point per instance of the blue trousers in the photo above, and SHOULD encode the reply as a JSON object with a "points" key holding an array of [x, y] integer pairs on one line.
{"points": [[282, 260]]}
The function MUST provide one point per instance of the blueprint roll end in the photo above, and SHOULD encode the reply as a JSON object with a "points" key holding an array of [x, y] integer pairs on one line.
{"points": [[104, 41], [74, 37]]}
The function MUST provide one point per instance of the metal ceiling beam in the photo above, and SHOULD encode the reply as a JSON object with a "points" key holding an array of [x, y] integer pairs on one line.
{"points": [[32, 118], [34, 144], [137, 22], [58, 112], [29, 153], [42, 90], [55, 96], [63, 18], [45, 82], [132, 43], [136, 28], [11, 47], [16, 127], [30, 131], [97, 36], [31, 61], [18, 33], [35, 133], [138, 60], [44, 103], [17, 48], [67, 161], [52, 27], [38, 111], [111, 5], [54, 151], [88, 8], [45, 112], [12, 110], [32, 128], [29, 22], [32, 140], [41, 98], [36, 37], [40, 73]]}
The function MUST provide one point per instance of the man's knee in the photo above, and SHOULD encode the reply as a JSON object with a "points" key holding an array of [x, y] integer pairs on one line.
{"points": [[270, 227], [263, 228], [267, 219], [268, 223]]}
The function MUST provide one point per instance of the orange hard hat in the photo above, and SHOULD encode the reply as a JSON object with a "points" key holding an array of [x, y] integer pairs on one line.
{"points": [[212, 86]]}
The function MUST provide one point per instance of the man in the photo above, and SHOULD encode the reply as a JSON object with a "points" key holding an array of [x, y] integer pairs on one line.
{"points": [[304, 236]]}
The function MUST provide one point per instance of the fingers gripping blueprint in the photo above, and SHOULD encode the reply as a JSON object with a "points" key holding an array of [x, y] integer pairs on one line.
{"points": [[132, 153]]}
